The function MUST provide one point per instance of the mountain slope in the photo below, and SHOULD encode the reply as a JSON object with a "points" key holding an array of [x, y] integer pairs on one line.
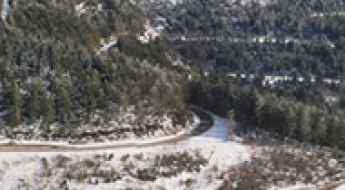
{"points": [[51, 69], [291, 37]]}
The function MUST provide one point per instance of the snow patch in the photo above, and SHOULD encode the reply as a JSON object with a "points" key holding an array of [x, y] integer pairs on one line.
{"points": [[150, 33], [105, 46], [296, 187], [342, 187], [6, 9], [80, 8]]}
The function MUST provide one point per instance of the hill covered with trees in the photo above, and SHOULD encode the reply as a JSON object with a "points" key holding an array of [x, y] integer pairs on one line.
{"points": [[297, 39], [52, 71], [276, 37]]}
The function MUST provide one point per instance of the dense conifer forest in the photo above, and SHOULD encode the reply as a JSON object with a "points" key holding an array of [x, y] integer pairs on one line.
{"points": [[52, 68]]}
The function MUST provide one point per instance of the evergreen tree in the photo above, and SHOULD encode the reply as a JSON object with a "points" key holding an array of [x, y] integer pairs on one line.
{"points": [[35, 103], [303, 119], [64, 104], [49, 111], [319, 126], [15, 112]]}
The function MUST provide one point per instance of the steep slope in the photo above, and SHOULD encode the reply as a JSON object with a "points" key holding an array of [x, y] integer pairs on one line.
{"points": [[52, 72], [299, 37]]}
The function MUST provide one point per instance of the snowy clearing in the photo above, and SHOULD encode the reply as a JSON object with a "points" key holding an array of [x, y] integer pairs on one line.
{"points": [[212, 145], [200, 162], [341, 187]]}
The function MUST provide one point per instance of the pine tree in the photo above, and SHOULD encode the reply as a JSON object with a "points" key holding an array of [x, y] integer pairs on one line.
{"points": [[35, 106], [291, 122], [49, 111], [303, 120], [319, 127], [15, 117], [93, 95], [64, 104]]}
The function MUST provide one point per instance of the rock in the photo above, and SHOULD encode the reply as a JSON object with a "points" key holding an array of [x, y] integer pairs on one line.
{"points": [[332, 163]]}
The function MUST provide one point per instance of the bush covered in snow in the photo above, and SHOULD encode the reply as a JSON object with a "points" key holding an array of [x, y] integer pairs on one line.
{"points": [[59, 172], [286, 165]]}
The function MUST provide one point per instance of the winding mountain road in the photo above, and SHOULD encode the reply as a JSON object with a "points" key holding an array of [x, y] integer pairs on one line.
{"points": [[201, 126]]}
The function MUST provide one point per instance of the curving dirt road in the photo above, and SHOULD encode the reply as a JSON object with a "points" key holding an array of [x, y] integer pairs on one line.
{"points": [[204, 124]]}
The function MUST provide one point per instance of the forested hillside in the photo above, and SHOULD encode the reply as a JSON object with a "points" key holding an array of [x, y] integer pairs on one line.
{"points": [[172, 94], [51, 68], [69, 62], [294, 39], [277, 37]]}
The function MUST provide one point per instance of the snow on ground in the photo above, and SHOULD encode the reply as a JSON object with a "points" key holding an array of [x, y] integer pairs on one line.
{"points": [[328, 14], [6, 9], [125, 128], [130, 142], [216, 142], [213, 145], [112, 41], [220, 151], [243, 2], [341, 186], [83, 7], [150, 33], [80, 8], [296, 187]]}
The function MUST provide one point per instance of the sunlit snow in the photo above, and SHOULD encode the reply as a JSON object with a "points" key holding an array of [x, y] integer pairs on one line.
{"points": [[213, 144]]}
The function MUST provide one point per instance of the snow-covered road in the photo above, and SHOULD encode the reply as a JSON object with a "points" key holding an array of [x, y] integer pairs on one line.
{"points": [[215, 139], [213, 145], [225, 152]]}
